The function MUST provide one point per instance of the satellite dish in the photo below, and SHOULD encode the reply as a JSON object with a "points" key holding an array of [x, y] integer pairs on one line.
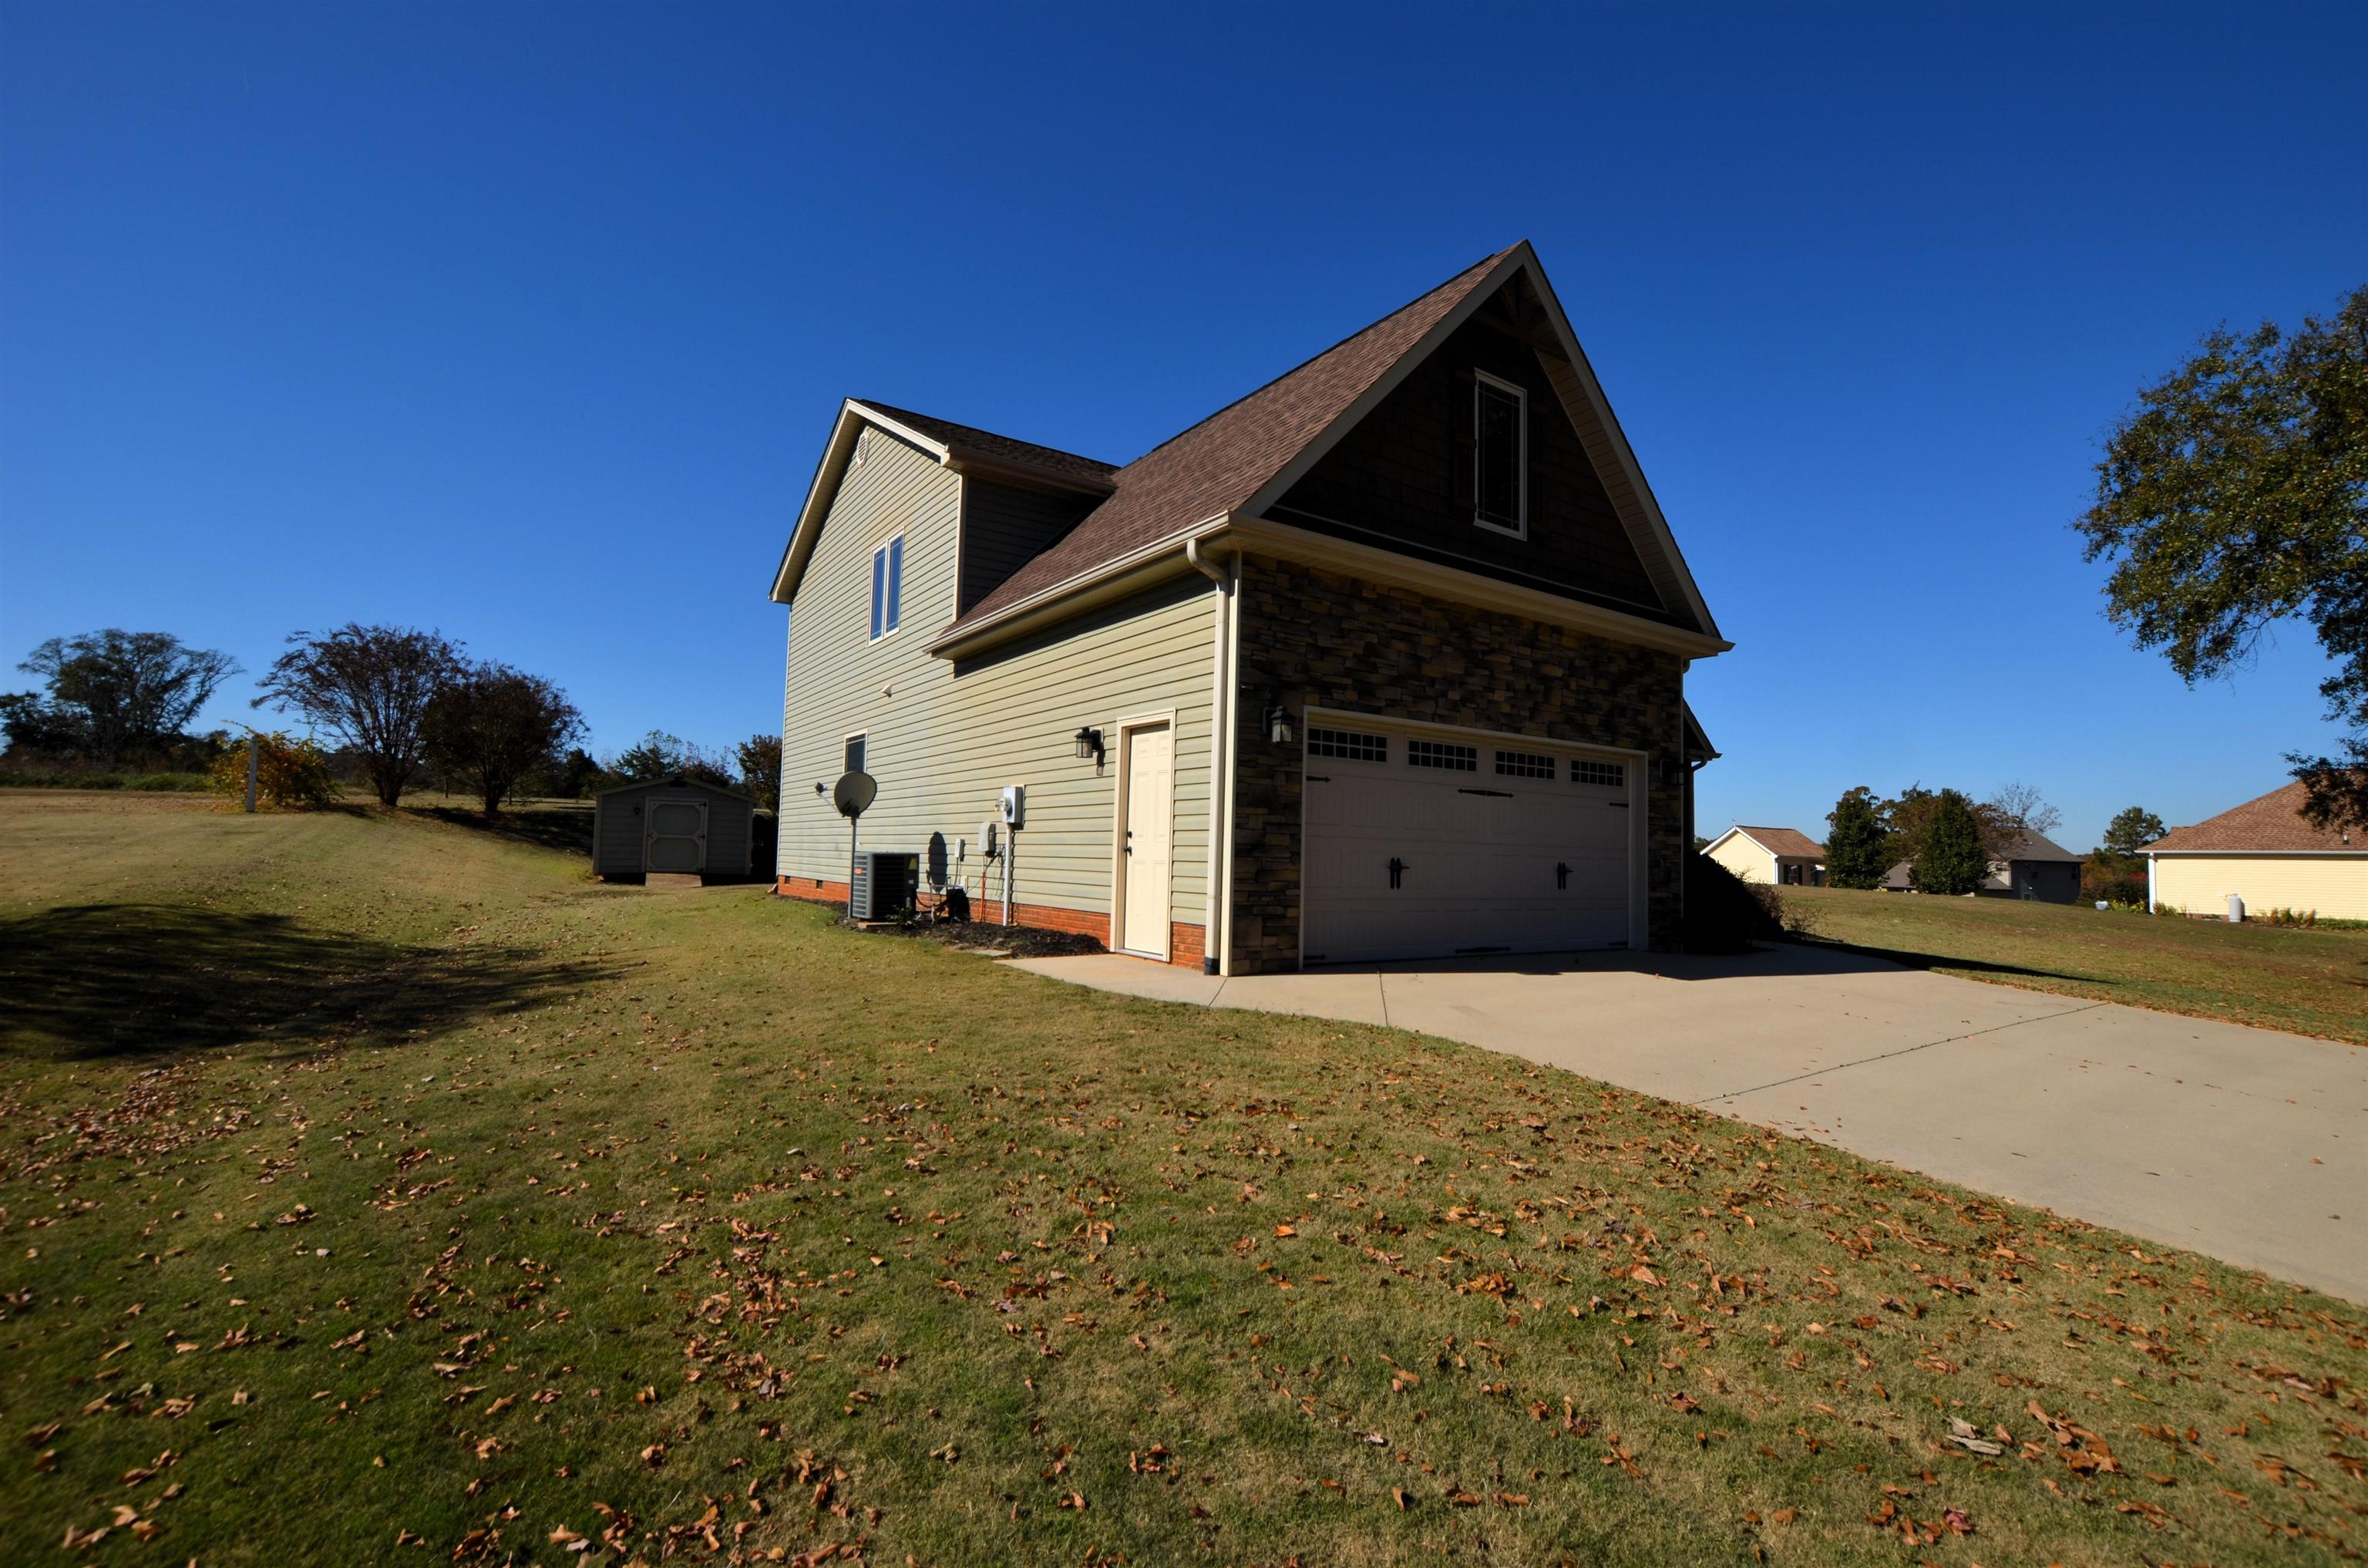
{"points": [[854, 793]]}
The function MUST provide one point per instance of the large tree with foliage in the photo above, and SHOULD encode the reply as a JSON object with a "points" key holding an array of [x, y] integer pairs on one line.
{"points": [[1952, 857], [2015, 809], [368, 686], [1856, 842], [491, 726], [114, 696], [2132, 829], [661, 756], [760, 768], [2234, 495]]}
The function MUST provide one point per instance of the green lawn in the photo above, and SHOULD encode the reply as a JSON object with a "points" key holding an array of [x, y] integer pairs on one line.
{"points": [[378, 1189], [2309, 982]]}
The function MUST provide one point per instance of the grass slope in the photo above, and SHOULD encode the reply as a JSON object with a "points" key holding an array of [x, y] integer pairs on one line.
{"points": [[2304, 980], [400, 1194]]}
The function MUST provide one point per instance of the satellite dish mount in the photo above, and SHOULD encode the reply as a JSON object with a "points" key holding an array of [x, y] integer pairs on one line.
{"points": [[853, 795]]}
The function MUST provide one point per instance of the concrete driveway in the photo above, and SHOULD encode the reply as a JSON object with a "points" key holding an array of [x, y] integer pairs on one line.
{"points": [[2247, 1144]]}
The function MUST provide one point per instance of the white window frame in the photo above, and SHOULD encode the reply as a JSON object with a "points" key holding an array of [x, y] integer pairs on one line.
{"points": [[887, 589], [1520, 527], [863, 735]]}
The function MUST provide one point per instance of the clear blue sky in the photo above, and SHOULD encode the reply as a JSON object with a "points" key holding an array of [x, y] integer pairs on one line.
{"points": [[527, 322]]}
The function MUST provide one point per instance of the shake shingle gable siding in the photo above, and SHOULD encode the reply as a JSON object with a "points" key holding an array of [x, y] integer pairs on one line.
{"points": [[1403, 477]]}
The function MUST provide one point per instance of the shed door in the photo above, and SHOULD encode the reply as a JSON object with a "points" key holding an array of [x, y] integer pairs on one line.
{"points": [[675, 837], [1437, 852]]}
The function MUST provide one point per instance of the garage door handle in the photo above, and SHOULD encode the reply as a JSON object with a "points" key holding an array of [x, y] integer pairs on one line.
{"points": [[1397, 869], [1562, 875]]}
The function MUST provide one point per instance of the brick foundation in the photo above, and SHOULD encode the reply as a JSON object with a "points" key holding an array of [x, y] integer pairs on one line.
{"points": [[1185, 944]]}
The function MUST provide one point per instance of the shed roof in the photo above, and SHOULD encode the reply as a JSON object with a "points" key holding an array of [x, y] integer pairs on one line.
{"points": [[2270, 821], [676, 781]]}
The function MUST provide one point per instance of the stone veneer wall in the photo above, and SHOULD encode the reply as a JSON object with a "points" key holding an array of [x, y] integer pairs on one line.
{"points": [[1311, 636]]}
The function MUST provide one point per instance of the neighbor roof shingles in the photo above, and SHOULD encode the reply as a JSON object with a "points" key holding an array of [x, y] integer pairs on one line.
{"points": [[2272, 822], [1783, 840], [1218, 464]]}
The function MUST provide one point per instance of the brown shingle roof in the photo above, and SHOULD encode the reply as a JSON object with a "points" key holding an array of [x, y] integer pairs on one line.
{"points": [[1005, 448], [2033, 846], [1783, 840], [2272, 822], [1220, 463]]}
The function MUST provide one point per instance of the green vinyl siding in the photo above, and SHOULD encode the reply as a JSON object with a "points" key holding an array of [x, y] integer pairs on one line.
{"points": [[942, 740]]}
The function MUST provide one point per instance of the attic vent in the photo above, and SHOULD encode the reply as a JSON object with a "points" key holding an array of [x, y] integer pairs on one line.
{"points": [[863, 449]]}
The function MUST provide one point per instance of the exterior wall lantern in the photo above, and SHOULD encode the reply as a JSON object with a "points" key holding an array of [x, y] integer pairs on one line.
{"points": [[1278, 722], [1090, 744]]}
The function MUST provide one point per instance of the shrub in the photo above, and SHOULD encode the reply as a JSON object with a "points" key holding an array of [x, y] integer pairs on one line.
{"points": [[2117, 878], [290, 775], [1726, 914]]}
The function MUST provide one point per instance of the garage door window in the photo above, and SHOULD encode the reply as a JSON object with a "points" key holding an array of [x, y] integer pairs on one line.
{"points": [[1444, 753], [1610, 774], [1524, 765], [1347, 743]]}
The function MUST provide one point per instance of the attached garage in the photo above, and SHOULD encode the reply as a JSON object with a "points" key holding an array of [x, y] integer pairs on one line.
{"points": [[672, 826], [1424, 842]]}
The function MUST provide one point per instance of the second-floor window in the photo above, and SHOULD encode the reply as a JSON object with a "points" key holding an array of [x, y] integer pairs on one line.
{"points": [[1500, 455], [887, 585]]}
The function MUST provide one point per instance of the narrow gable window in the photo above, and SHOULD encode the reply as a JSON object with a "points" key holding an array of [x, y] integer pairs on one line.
{"points": [[1500, 455], [887, 585]]}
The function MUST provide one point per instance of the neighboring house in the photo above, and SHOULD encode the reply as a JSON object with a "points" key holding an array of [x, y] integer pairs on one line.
{"points": [[2032, 866], [2265, 853], [1779, 856], [1402, 634]]}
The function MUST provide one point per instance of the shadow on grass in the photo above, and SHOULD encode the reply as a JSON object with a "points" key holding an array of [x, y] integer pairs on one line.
{"points": [[1907, 960], [565, 828], [139, 981]]}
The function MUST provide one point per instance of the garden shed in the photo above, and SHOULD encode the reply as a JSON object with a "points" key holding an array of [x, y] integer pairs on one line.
{"points": [[676, 826]]}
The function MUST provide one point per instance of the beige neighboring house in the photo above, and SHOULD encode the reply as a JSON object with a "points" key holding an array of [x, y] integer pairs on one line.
{"points": [[2265, 853], [1779, 856]]}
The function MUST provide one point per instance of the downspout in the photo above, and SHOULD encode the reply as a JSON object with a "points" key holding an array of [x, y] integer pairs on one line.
{"points": [[1213, 932], [2150, 881]]}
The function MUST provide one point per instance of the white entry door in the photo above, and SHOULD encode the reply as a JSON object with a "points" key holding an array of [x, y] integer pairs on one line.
{"points": [[1428, 845], [1146, 840], [675, 837]]}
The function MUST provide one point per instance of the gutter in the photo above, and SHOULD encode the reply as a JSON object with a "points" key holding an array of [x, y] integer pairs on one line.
{"points": [[1216, 946]]}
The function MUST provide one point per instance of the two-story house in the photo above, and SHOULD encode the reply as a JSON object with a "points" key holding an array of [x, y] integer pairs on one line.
{"points": [[1385, 660]]}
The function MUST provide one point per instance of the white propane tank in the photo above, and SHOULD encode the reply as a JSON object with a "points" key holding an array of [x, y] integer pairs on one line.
{"points": [[2235, 909]]}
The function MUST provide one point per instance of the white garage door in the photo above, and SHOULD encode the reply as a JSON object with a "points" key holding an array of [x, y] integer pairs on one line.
{"points": [[1425, 845]]}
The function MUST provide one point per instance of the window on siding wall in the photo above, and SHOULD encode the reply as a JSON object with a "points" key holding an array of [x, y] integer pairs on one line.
{"points": [[887, 585], [855, 754], [1500, 455]]}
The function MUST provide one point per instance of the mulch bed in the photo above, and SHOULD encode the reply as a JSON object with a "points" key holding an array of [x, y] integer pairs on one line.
{"points": [[985, 937]]}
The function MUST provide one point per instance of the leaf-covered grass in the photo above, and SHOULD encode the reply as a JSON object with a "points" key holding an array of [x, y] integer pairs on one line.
{"points": [[2305, 980], [536, 1215]]}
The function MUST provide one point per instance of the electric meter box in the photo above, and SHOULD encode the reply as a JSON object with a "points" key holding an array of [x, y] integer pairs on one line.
{"points": [[1013, 808]]}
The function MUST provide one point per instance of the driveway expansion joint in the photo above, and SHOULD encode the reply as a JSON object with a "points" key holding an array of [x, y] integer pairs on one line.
{"points": [[1903, 1051]]}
